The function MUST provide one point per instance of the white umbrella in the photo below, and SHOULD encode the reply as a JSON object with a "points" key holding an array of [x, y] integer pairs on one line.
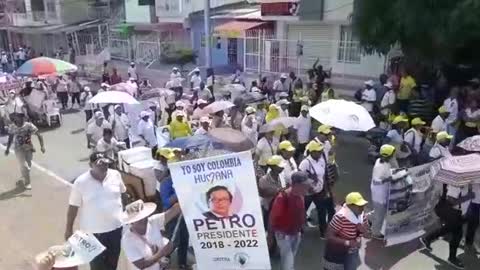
{"points": [[457, 170], [342, 114], [471, 144], [124, 87], [113, 97], [219, 106], [234, 88], [157, 92]]}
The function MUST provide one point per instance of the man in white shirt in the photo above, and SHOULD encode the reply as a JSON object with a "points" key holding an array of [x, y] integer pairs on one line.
{"points": [[14, 105], [204, 93], [176, 77], [280, 86], [108, 145], [146, 131], [414, 137], [95, 129], [440, 148], [286, 151], [266, 147], [196, 79], [303, 127], [249, 125], [120, 125], [320, 193], [451, 104], [369, 96], [87, 107], [99, 195], [439, 123], [283, 104], [386, 104], [204, 126], [62, 91], [132, 71]]}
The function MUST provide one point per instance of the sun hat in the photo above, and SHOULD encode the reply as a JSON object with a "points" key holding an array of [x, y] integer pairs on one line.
{"points": [[284, 76], [417, 121], [99, 115], [355, 198], [197, 69], [387, 150], [132, 63], [442, 136], [287, 146], [144, 114], [137, 211], [369, 82], [314, 146], [80, 248], [442, 109], [324, 129], [282, 102], [399, 119], [166, 153], [86, 88], [179, 104], [305, 108], [180, 113], [116, 107], [204, 119], [174, 68], [276, 161], [250, 110]]}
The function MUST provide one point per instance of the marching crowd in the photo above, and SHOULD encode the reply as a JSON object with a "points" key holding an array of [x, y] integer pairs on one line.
{"points": [[296, 164]]}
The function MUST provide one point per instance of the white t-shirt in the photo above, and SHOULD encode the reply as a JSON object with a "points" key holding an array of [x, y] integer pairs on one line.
{"points": [[388, 99], [303, 126], [121, 126], [265, 150], [250, 132], [196, 80], [97, 131], [311, 166], [137, 247], [108, 149], [438, 151], [200, 131], [452, 107], [438, 124], [100, 203], [205, 94], [458, 192], [14, 106], [290, 166], [279, 87], [147, 130], [133, 72], [414, 138], [62, 86], [368, 96], [381, 171]]}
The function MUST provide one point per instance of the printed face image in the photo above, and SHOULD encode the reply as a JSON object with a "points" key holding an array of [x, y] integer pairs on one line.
{"points": [[220, 202]]}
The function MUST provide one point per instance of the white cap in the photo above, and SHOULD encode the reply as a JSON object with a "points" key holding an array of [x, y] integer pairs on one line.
{"points": [[12, 92], [105, 85], [204, 119], [250, 110], [180, 113], [179, 104], [174, 68], [283, 102], [99, 115], [132, 63], [388, 84], [284, 76], [196, 69], [369, 82], [143, 114], [86, 88], [305, 108], [117, 106], [131, 79], [202, 101]]}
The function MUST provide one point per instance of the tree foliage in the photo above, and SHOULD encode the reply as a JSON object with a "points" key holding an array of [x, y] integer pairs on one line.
{"points": [[432, 31], [179, 57]]}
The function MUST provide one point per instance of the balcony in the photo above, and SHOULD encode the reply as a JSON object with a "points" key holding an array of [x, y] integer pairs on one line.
{"points": [[34, 18]]}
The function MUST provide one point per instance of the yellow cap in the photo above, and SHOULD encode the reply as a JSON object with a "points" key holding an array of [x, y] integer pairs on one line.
{"points": [[314, 146], [387, 150], [250, 110], [275, 161], [442, 136], [286, 145], [166, 153], [442, 109], [324, 129], [417, 121], [273, 107], [399, 119], [355, 198]]}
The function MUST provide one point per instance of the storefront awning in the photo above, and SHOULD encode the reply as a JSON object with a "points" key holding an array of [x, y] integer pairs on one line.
{"points": [[236, 29]]}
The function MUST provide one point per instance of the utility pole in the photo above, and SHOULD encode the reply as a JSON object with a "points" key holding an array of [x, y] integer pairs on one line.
{"points": [[208, 39]]}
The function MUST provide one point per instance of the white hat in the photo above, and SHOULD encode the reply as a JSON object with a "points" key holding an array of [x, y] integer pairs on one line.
{"points": [[204, 119], [283, 95], [284, 76], [174, 68], [137, 211], [282, 102], [179, 104], [180, 113], [250, 110], [86, 88], [81, 248], [196, 69], [12, 92], [99, 115], [131, 79], [369, 82], [29, 79], [143, 114], [105, 85], [305, 108], [132, 63], [388, 85], [202, 101], [116, 107]]}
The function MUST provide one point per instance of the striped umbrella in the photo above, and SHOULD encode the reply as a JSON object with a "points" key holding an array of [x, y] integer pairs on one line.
{"points": [[42, 66], [457, 170]]}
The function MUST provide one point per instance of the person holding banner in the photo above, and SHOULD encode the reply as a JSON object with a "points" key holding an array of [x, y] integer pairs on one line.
{"points": [[344, 234], [287, 217], [381, 176], [143, 243]]}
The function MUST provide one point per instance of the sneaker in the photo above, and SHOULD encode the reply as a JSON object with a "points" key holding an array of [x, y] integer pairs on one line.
{"points": [[455, 262], [378, 237], [28, 187], [425, 244]]}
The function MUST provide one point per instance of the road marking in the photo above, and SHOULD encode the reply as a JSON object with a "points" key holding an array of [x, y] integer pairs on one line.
{"points": [[43, 169]]}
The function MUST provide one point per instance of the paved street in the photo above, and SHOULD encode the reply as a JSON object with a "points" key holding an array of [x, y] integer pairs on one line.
{"points": [[34, 220]]}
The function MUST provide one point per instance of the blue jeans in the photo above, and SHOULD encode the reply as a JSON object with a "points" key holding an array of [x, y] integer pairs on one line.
{"points": [[352, 261], [288, 247]]}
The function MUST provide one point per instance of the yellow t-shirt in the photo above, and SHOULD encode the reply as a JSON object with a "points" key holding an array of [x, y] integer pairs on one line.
{"points": [[179, 129], [406, 86]]}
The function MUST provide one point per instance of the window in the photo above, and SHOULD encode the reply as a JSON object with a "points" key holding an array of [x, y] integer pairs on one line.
{"points": [[168, 6], [348, 48]]}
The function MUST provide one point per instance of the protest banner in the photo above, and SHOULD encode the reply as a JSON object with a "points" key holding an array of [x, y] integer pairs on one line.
{"points": [[221, 206], [411, 204], [80, 248]]}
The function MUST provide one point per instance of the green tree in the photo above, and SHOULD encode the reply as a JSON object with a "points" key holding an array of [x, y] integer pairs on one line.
{"points": [[431, 32]]}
